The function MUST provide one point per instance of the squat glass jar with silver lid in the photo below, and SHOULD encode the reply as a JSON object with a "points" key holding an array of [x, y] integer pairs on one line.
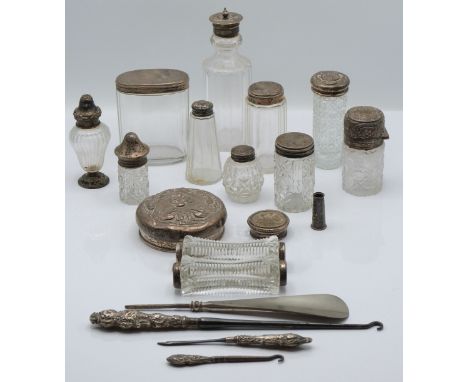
{"points": [[153, 103], [266, 119], [294, 172], [363, 152], [330, 90], [242, 175]]}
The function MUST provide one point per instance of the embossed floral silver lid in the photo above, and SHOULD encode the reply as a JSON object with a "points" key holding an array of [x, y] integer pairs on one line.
{"points": [[364, 128], [166, 218]]}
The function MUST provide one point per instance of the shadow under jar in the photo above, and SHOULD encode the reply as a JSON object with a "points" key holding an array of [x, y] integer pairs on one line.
{"points": [[153, 103], [363, 151], [266, 119], [294, 175]]}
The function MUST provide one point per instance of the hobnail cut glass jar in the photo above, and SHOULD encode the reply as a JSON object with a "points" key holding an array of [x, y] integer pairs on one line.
{"points": [[363, 152], [227, 78], [266, 119], [203, 161], [294, 176], [329, 104], [242, 175], [216, 267], [133, 184], [153, 103]]}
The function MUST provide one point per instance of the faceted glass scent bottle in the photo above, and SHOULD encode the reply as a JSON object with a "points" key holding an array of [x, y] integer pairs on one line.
{"points": [[266, 119], [330, 90], [153, 103], [242, 175], [227, 78], [363, 152], [133, 169], [89, 138], [294, 172], [203, 162], [215, 267]]}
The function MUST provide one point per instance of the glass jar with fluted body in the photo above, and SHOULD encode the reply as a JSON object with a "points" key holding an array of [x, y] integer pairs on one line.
{"points": [[266, 119], [330, 90], [89, 138], [242, 175], [294, 175], [363, 152], [153, 103], [203, 161], [217, 267], [227, 77], [133, 169]]}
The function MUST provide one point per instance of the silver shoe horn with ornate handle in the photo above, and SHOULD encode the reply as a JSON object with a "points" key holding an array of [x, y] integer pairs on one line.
{"points": [[307, 306]]}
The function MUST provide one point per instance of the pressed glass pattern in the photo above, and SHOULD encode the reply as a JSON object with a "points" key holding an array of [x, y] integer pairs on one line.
{"points": [[242, 181], [133, 184]]}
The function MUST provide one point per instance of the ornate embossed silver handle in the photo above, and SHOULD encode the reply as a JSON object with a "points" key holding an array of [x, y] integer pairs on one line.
{"points": [[195, 360], [288, 340]]}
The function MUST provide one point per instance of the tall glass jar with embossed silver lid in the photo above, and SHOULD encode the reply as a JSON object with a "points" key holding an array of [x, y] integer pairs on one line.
{"points": [[330, 90], [227, 78], [294, 175], [153, 103], [363, 151], [266, 119]]}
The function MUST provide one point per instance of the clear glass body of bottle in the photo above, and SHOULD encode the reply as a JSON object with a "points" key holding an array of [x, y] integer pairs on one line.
{"points": [[266, 119], [329, 105], [227, 78], [242, 175], [153, 103], [203, 161], [363, 151], [216, 267], [133, 184], [294, 176]]}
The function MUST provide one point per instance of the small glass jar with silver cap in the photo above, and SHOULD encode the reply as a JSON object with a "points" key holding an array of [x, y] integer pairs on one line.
{"points": [[330, 90], [242, 175], [153, 103], [203, 162], [294, 174], [363, 152], [133, 169], [266, 119]]}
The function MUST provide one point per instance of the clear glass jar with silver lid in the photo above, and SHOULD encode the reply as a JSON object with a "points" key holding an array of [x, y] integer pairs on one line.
{"points": [[153, 103], [266, 119], [363, 152], [133, 169], [330, 90], [227, 78], [242, 175], [294, 172], [203, 161]]}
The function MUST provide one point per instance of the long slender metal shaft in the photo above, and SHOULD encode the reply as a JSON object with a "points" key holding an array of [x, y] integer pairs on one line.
{"points": [[195, 360]]}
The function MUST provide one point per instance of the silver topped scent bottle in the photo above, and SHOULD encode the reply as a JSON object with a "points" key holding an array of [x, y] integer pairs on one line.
{"points": [[363, 151], [294, 174], [227, 78], [266, 119], [330, 92], [133, 169], [203, 161], [89, 138], [242, 175]]}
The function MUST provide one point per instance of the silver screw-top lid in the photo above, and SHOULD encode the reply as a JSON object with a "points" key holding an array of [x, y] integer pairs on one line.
{"points": [[294, 145], [202, 108], [242, 153], [226, 24], [265, 93], [364, 128], [132, 152], [329, 83], [152, 81], [87, 113]]}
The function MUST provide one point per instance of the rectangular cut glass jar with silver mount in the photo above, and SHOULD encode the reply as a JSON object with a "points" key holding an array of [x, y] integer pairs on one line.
{"points": [[216, 267], [363, 152], [153, 103], [330, 99], [294, 176], [266, 119]]}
